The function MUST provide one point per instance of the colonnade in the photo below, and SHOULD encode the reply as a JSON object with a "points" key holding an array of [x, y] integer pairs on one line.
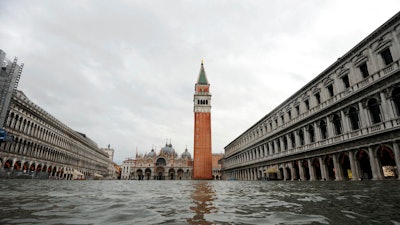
{"points": [[371, 162]]}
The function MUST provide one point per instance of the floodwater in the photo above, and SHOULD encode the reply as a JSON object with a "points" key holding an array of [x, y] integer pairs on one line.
{"points": [[199, 202]]}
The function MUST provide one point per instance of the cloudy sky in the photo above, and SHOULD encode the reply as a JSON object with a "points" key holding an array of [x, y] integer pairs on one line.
{"points": [[123, 72]]}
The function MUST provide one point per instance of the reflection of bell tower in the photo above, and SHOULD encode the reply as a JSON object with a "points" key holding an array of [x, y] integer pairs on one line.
{"points": [[202, 161]]}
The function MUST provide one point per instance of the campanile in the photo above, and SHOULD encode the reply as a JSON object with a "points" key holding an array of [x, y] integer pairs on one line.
{"points": [[202, 161]]}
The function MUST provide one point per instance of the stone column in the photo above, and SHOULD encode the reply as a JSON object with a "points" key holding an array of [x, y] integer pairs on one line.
{"points": [[387, 111], [363, 116], [396, 151], [345, 122], [323, 169], [285, 175], [354, 171], [317, 132], [306, 136], [311, 171], [329, 128], [293, 172], [301, 170], [376, 175], [338, 169]]}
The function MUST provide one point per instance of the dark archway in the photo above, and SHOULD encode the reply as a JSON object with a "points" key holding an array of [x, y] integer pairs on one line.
{"points": [[171, 174], [387, 162], [147, 173], [330, 167], [365, 166], [139, 174], [306, 170], [160, 173], [344, 161], [317, 168], [296, 170], [7, 165], [289, 174], [180, 174], [280, 175]]}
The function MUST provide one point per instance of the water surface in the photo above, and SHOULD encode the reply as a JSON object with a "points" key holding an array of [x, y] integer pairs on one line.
{"points": [[199, 202]]}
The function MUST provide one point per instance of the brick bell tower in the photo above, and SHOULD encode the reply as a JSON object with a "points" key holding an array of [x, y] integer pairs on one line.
{"points": [[202, 161]]}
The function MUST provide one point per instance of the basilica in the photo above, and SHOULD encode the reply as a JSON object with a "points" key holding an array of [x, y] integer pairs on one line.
{"points": [[166, 165]]}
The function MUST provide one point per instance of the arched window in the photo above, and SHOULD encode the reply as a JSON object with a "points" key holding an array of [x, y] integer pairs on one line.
{"points": [[375, 112], [337, 124], [322, 126], [301, 136], [354, 119], [396, 100], [161, 162], [285, 145], [311, 133], [293, 139]]}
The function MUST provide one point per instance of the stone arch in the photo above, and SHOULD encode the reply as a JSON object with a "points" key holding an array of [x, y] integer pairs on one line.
{"points": [[171, 174], [139, 174], [288, 173], [25, 167], [387, 162], [337, 124], [180, 174], [323, 129], [160, 173], [374, 110], [147, 173], [344, 162], [301, 137], [330, 167], [306, 169], [354, 118], [317, 168], [364, 165], [8, 165], [32, 168], [161, 162]]}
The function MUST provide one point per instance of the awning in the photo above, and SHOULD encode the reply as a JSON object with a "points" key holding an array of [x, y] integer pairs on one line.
{"points": [[273, 169], [97, 175], [77, 173]]}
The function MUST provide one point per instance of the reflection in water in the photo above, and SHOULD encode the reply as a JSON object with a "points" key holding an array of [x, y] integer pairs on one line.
{"points": [[203, 196]]}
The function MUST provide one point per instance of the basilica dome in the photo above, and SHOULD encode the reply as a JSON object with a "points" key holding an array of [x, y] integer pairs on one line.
{"points": [[151, 154], [186, 154], [167, 149]]}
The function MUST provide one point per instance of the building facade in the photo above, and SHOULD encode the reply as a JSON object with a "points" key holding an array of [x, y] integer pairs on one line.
{"points": [[216, 166], [40, 146], [342, 125], [166, 165], [202, 164]]}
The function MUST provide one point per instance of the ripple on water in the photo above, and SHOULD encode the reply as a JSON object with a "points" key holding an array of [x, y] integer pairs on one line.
{"points": [[198, 202]]}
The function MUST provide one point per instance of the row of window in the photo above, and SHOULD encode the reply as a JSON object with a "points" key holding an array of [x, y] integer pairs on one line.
{"points": [[26, 148], [319, 130], [19, 123]]}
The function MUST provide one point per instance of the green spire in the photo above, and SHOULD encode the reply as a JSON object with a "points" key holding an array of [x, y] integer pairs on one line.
{"points": [[202, 76]]}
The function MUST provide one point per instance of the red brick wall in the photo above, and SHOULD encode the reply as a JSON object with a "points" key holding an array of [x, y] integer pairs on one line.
{"points": [[202, 162]]}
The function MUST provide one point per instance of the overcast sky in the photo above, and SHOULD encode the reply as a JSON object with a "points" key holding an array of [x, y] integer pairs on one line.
{"points": [[123, 72]]}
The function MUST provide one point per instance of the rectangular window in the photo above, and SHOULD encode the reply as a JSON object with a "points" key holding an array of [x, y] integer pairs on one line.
{"points": [[346, 82], [283, 119], [364, 70], [307, 104], [318, 98], [290, 115], [387, 56], [297, 110], [330, 90]]}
